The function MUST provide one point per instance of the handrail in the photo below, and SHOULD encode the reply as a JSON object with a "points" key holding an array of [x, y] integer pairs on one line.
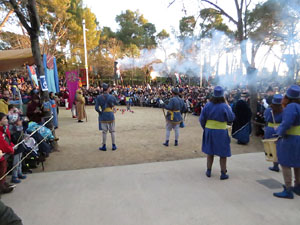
{"points": [[30, 150], [33, 132]]}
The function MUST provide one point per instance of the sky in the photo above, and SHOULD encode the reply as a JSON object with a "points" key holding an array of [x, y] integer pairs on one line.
{"points": [[155, 11], [162, 16]]}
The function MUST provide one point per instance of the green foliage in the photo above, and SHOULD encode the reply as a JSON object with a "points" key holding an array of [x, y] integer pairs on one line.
{"points": [[162, 35], [264, 21], [135, 30], [187, 26], [61, 30], [212, 20]]}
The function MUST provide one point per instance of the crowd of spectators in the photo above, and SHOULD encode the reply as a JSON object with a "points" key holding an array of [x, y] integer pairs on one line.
{"points": [[195, 97], [21, 113], [21, 104]]}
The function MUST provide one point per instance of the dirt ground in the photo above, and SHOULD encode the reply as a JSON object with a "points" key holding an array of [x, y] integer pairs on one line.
{"points": [[139, 138]]}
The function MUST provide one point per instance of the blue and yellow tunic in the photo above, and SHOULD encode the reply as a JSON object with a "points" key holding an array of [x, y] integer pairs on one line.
{"points": [[288, 146], [213, 119], [106, 113], [175, 107], [269, 129]]}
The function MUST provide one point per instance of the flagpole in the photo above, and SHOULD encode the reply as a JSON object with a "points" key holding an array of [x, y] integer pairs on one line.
{"points": [[85, 55]]}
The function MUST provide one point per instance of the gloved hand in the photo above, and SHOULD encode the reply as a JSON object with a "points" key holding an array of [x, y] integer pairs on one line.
{"points": [[161, 102]]}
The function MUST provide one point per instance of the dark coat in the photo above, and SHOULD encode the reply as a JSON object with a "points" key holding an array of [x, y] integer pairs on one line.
{"points": [[7, 216], [243, 115]]}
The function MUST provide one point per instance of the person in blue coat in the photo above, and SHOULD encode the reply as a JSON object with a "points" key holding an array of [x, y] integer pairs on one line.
{"points": [[106, 117], [173, 117], [273, 118], [288, 144], [216, 141]]}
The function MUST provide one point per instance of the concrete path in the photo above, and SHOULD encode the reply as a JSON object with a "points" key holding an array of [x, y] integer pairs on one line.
{"points": [[164, 193]]}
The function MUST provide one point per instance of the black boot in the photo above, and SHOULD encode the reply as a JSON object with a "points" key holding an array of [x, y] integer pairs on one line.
{"points": [[166, 143], [176, 143]]}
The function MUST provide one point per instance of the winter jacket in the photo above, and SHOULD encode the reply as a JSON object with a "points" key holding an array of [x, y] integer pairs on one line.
{"points": [[6, 147]]}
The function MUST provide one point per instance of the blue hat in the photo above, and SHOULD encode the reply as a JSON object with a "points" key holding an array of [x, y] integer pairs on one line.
{"points": [[218, 92], [293, 92], [277, 99], [105, 86]]}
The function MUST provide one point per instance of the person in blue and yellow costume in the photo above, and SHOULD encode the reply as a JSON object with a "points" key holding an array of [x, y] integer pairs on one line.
{"points": [[173, 117], [288, 144], [273, 118], [106, 116], [216, 141]]}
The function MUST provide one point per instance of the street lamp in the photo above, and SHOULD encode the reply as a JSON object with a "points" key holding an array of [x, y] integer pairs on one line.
{"points": [[85, 55]]}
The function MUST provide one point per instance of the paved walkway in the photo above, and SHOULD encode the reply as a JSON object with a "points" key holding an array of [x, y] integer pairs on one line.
{"points": [[164, 193]]}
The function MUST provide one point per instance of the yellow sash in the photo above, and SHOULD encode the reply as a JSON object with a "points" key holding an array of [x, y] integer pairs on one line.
{"points": [[294, 130], [108, 109], [273, 124], [172, 113], [213, 124]]}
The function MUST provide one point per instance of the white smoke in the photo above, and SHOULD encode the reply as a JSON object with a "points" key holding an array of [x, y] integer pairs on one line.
{"points": [[218, 56]]}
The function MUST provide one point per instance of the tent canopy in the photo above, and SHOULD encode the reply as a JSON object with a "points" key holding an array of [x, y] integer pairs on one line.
{"points": [[12, 59]]}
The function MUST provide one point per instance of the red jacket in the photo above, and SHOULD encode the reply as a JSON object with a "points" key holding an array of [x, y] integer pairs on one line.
{"points": [[4, 146]]}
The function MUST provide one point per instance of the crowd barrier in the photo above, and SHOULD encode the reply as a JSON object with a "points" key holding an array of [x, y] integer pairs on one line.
{"points": [[32, 148]]}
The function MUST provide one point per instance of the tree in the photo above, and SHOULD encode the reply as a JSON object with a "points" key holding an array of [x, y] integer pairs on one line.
{"points": [[108, 51], [14, 41], [240, 23], [187, 26], [212, 20], [55, 20], [135, 29], [75, 32], [162, 35]]}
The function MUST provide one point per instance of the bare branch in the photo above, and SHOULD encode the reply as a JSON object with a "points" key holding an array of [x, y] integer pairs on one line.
{"points": [[171, 3], [246, 17], [221, 11], [237, 4], [242, 3], [248, 4], [20, 16], [6, 18]]}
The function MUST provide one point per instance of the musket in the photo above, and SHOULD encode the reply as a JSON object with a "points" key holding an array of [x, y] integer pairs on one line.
{"points": [[86, 117], [164, 112]]}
